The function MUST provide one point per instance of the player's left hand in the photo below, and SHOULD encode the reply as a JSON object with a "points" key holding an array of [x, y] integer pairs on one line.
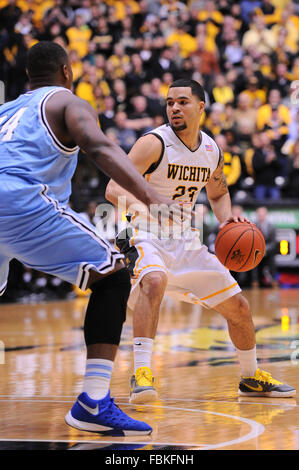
{"points": [[236, 219]]}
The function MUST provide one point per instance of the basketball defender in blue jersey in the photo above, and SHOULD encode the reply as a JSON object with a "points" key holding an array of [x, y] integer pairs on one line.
{"points": [[40, 134]]}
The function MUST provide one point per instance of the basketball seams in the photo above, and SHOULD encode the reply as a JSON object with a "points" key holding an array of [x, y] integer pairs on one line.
{"points": [[235, 244], [220, 235], [252, 245], [257, 231], [247, 245]]}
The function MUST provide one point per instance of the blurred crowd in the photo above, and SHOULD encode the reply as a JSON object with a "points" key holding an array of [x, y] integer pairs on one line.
{"points": [[125, 53]]}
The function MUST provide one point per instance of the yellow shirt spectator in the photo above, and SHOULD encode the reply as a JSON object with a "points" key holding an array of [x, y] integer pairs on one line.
{"points": [[254, 95], [164, 90], [215, 16], [211, 28], [85, 91], [291, 33], [232, 168], [77, 68], [39, 7], [259, 38], [186, 42], [223, 94], [272, 18], [264, 115], [78, 38], [120, 7]]}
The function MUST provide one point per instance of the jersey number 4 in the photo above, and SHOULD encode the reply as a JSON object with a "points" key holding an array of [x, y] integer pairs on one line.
{"points": [[8, 128]]}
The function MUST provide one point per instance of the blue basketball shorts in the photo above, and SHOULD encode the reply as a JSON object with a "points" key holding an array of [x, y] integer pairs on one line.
{"points": [[45, 236]]}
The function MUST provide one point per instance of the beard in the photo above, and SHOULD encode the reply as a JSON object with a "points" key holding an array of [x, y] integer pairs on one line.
{"points": [[179, 127]]}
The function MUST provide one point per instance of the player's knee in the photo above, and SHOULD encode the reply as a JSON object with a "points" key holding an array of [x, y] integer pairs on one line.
{"points": [[241, 311], [154, 284]]}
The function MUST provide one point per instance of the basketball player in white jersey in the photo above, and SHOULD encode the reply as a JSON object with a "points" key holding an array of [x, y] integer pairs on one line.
{"points": [[178, 160]]}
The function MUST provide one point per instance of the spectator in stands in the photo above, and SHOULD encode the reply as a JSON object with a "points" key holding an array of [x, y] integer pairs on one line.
{"points": [[255, 92], [139, 119], [266, 270], [79, 36], [9, 16], [277, 129], [187, 43], [281, 81], [214, 119], [246, 71], [106, 117], [269, 13], [13, 63], [245, 115], [258, 38], [222, 93], [163, 63], [102, 36], [120, 95], [229, 116], [264, 113], [60, 13], [76, 64], [232, 164], [208, 65], [119, 59], [125, 136], [136, 76], [267, 166], [250, 151], [248, 7], [293, 173], [155, 101]]}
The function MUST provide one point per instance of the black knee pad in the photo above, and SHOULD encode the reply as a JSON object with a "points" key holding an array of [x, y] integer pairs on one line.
{"points": [[106, 310]]}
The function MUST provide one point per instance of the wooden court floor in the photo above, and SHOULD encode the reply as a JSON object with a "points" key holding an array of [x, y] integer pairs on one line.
{"points": [[196, 375]]}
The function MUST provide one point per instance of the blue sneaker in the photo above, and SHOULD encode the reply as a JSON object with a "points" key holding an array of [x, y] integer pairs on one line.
{"points": [[103, 416]]}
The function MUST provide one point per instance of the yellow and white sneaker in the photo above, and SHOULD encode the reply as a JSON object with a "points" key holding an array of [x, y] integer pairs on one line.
{"points": [[263, 385], [142, 389]]}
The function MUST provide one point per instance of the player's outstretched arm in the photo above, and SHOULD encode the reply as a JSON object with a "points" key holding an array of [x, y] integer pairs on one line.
{"points": [[82, 125]]}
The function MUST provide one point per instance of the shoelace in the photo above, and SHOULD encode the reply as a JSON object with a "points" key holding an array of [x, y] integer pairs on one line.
{"points": [[116, 413], [144, 373], [266, 377]]}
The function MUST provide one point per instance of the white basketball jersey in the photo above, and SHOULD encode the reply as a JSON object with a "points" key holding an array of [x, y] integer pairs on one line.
{"points": [[180, 173]]}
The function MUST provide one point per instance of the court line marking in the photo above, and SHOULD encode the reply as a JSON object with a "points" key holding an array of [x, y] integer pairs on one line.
{"points": [[256, 428], [125, 442], [292, 405]]}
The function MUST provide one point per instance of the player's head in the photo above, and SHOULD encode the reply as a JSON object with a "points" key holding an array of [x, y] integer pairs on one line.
{"points": [[47, 64], [185, 104]]}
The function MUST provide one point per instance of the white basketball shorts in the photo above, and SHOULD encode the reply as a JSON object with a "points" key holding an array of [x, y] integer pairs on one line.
{"points": [[194, 274]]}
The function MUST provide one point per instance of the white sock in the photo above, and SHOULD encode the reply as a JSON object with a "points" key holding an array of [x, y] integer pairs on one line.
{"points": [[143, 348], [97, 378], [248, 362]]}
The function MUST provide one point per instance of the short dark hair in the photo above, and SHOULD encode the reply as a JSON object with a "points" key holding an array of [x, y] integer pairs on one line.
{"points": [[45, 58], [196, 87]]}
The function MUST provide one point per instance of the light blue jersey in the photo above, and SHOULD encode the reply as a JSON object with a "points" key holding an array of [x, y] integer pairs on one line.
{"points": [[29, 148], [36, 225]]}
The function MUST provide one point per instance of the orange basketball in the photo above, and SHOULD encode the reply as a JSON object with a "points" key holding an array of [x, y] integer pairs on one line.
{"points": [[240, 246]]}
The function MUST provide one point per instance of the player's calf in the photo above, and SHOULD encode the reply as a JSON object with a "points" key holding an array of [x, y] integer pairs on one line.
{"points": [[106, 310]]}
